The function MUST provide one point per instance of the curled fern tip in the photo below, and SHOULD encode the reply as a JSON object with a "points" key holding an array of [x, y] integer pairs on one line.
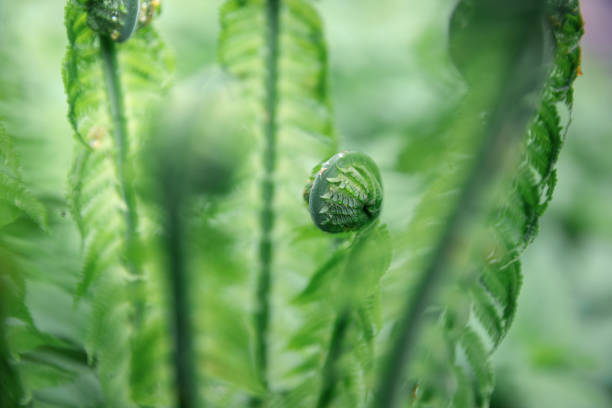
{"points": [[119, 19], [344, 193]]}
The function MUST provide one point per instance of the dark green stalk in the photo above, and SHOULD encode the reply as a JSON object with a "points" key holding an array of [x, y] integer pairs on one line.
{"points": [[262, 315], [330, 369], [487, 164], [507, 124], [122, 144], [186, 394], [11, 390]]}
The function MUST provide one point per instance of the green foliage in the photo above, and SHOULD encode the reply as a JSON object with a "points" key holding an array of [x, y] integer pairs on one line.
{"points": [[189, 244], [109, 88], [487, 266], [516, 220], [303, 97], [44, 331], [15, 200], [276, 50], [345, 193]]}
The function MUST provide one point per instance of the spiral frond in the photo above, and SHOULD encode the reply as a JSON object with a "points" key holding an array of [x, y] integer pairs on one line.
{"points": [[345, 193], [119, 19]]}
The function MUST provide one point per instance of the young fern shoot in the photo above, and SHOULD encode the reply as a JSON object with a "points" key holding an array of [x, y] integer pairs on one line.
{"points": [[107, 84], [345, 194]]}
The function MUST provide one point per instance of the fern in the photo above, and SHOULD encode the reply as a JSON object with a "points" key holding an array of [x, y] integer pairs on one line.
{"points": [[356, 289], [16, 202], [516, 221], [42, 329], [43, 362], [269, 310], [15, 199], [107, 86], [510, 227], [276, 49]]}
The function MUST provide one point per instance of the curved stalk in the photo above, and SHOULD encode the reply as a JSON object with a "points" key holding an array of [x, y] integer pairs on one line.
{"points": [[504, 129], [330, 368], [121, 139], [186, 395]]}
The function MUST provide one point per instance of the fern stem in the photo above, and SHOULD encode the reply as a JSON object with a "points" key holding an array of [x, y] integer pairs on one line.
{"points": [[11, 390], [121, 139], [504, 129], [330, 372], [266, 254], [186, 395]]}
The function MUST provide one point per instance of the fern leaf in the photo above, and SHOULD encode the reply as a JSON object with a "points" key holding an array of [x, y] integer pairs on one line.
{"points": [[45, 332], [486, 311], [478, 359], [15, 199], [84, 78], [516, 222], [276, 50], [110, 88], [489, 264], [322, 277]]}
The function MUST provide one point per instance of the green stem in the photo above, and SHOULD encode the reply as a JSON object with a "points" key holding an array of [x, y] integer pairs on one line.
{"points": [[122, 145], [11, 390], [262, 314], [186, 394], [507, 124], [330, 369]]}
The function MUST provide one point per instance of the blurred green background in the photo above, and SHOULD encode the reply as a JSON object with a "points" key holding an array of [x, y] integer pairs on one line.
{"points": [[390, 74]]}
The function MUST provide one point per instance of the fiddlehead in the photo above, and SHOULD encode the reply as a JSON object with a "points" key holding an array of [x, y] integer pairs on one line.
{"points": [[344, 193], [118, 19]]}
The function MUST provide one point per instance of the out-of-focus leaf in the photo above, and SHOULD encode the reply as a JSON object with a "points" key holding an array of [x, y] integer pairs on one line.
{"points": [[15, 198]]}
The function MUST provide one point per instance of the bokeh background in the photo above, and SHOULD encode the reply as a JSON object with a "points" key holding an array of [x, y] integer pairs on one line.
{"points": [[390, 74]]}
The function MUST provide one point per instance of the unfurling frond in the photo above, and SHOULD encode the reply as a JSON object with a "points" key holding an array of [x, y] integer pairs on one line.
{"points": [[487, 269], [110, 87]]}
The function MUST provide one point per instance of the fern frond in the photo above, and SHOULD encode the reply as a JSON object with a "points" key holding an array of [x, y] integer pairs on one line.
{"points": [[15, 198], [515, 222], [276, 49], [84, 78], [479, 362], [110, 88], [343, 300], [45, 332], [488, 266], [303, 100]]}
